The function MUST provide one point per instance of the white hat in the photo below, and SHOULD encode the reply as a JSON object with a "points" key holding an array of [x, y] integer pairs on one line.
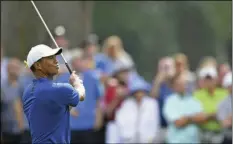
{"points": [[227, 80], [40, 51], [208, 71]]}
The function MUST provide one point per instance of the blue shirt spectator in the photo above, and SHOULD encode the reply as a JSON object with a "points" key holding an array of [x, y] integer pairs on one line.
{"points": [[164, 92], [86, 109], [108, 65], [223, 115], [176, 107], [4, 62], [9, 95], [103, 63], [46, 105]]}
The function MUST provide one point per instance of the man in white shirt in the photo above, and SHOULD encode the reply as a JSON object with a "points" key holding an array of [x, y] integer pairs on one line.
{"points": [[137, 120]]}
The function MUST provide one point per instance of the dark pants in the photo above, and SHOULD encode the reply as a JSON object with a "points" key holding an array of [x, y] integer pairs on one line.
{"points": [[11, 138], [100, 135], [227, 141], [26, 137], [83, 136]]}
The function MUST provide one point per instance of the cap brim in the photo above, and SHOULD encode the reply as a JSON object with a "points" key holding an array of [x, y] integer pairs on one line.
{"points": [[55, 51], [58, 51]]}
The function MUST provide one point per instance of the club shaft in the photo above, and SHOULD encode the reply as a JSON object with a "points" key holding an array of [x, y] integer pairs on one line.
{"points": [[51, 36]]}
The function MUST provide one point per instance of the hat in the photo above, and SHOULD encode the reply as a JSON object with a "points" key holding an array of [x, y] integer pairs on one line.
{"points": [[120, 67], [208, 71], [227, 80], [139, 84], [40, 51]]}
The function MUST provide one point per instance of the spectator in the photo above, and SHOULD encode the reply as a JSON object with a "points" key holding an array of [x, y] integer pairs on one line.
{"points": [[25, 80], [222, 70], [4, 61], [116, 91], [205, 62], [90, 50], [12, 115], [208, 61], [114, 54], [87, 116], [142, 125], [161, 89], [210, 97], [181, 111], [90, 46], [182, 67], [224, 114]]}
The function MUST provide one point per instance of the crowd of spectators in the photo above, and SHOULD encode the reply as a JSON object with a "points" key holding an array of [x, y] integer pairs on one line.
{"points": [[176, 106]]}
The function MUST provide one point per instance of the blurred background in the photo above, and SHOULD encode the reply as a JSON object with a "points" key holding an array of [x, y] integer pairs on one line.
{"points": [[123, 44]]}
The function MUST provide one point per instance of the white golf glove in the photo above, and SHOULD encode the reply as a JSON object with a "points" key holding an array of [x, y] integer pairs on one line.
{"points": [[77, 83], [80, 88]]}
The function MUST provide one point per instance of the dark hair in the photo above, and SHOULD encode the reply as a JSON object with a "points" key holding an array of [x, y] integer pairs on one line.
{"points": [[84, 44], [208, 77], [33, 68]]}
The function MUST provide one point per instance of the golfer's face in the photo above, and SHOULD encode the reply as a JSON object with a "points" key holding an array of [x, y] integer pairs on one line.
{"points": [[50, 65]]}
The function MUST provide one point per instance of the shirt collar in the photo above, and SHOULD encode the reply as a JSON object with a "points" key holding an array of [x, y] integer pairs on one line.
{"points": [[41, 79]]}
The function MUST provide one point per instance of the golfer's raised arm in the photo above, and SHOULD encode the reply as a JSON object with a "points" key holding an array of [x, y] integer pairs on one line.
{"points": [[70, 94], [67, 95]]}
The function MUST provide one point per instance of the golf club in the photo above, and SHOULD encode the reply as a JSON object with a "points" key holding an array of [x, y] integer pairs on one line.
{"points": [[51, 36]]}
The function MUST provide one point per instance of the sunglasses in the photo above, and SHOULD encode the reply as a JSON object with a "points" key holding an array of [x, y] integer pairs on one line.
{"points": [[208, 77]]}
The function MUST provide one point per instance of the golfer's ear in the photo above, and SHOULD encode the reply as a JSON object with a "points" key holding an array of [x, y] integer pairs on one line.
{"points": [[37, 65]]}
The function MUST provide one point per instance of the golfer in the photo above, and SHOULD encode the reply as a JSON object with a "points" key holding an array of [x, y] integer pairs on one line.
{"points": [[46, 104]]}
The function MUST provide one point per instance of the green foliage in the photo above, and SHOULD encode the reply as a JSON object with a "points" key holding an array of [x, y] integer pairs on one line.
{"points": [[151, 30]]}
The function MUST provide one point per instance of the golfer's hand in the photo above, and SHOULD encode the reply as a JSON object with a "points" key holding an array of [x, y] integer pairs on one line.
{"points": [[77, 83], [73, 78]]}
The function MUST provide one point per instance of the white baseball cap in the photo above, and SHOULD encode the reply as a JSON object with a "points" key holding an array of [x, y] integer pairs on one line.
{"points": [[40, 51], [227, 80], [208, 71]]}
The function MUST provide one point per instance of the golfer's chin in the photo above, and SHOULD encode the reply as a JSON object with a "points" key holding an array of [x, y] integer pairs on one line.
{"points": [[55, 72]]}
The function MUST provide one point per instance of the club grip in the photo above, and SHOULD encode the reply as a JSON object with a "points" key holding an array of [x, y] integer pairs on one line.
{"points": [[68, 67]]}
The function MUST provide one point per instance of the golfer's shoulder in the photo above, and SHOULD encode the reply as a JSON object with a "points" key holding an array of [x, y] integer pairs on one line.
{"points": [[62, 87], [27, 91]]}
